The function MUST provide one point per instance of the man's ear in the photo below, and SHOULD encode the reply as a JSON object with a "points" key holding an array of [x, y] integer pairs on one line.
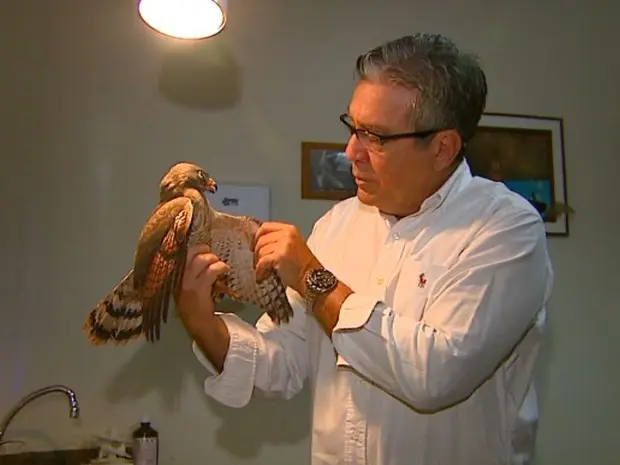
{"points": [[447, 146]]}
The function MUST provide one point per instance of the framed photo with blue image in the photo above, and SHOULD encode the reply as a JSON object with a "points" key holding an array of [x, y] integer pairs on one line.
{"points": [[526, 153]]}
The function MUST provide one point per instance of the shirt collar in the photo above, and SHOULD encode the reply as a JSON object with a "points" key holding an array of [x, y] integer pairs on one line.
{"points": [[453, 184], [461, 176]]}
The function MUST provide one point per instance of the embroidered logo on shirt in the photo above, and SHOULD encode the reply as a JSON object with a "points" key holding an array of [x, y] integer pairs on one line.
{"points": [[422, 280]]}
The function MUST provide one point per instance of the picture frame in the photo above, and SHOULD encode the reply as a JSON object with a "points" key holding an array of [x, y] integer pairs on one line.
{"points": [[526, 153], [325, 171]]}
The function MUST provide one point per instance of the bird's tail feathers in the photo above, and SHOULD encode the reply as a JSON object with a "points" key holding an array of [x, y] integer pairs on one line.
{"points": [[273, 300], [117, 318]]}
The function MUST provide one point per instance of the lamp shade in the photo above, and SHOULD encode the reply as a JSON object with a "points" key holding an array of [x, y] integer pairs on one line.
{"points": [[184, 19]]}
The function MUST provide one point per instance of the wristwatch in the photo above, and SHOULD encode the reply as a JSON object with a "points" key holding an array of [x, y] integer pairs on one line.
{"points": [[319, 281]]}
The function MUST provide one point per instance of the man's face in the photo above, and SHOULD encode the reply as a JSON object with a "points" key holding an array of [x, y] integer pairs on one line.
{"points": [[398, 175]]}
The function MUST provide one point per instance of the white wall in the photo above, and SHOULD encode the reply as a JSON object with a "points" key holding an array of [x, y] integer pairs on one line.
{"points": [[94, 108]]}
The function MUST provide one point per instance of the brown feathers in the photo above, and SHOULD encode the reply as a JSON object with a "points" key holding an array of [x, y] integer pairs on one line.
{"points": [[231, 240]]}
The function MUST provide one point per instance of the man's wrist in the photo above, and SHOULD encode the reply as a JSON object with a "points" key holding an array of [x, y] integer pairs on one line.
{"points": [[212, 337], [327, 306]]}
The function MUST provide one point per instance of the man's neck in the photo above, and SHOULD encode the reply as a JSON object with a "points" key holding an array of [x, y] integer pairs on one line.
{"points": [[432, 189]]}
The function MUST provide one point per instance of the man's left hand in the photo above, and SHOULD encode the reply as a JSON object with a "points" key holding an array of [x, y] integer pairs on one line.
{"points": [[280, 246]]}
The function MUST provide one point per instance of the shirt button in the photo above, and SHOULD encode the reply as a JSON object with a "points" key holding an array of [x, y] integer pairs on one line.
{"points": [[395, 236], [379, 280]]}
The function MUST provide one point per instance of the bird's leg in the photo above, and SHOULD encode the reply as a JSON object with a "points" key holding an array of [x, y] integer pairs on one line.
{"points": [[221, 288]]}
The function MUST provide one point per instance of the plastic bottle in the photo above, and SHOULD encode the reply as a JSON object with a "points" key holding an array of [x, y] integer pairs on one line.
{"points": [[145, 444]]}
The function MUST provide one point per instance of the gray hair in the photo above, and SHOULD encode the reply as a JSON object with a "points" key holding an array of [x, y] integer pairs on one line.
{"points": [[450, 85]]}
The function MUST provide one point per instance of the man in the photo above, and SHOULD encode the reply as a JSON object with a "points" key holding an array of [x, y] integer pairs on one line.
{"points": [[415, 301]]}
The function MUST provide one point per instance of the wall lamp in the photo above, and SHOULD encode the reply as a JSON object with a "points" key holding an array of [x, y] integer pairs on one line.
{"points": [[184, 19]]}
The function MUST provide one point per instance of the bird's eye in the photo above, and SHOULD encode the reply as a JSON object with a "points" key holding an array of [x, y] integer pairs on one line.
{"points": [[202, 175]]}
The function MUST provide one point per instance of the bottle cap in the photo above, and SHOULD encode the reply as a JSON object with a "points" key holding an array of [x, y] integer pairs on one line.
{"points": [[145, 419]]}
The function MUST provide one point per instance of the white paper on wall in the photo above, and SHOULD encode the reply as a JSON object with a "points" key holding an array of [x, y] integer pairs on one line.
{"points": [[239, 199]]}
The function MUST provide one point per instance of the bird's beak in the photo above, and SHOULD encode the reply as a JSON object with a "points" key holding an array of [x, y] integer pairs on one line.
{"points": [[212, 186]]}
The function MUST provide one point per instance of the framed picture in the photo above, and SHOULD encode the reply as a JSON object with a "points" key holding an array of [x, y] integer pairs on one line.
{"points": [[326, 171], [526, 153]]}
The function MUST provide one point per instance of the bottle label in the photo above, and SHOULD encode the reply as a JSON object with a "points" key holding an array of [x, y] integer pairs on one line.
{"points": [[145, 451]]}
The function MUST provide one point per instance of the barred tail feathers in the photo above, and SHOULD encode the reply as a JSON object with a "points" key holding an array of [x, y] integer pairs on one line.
{"points": [[273, 300], [117, 318]]}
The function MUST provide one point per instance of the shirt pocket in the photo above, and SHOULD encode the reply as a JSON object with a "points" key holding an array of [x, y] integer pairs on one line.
{"points": [[412, 287]]}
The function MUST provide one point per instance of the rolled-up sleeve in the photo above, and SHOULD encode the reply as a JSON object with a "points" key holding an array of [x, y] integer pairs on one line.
{"points": [[268, 358], [480, 310], [355, 311]]}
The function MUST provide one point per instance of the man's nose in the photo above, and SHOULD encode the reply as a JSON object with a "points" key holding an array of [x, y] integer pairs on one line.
{"points": [[355, 150]]}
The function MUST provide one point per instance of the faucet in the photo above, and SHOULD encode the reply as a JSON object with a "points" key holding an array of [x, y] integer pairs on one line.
{"points": [[74, 405]]}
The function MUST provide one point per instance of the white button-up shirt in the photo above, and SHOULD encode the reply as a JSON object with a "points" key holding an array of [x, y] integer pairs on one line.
{"points": [[432, 357]]}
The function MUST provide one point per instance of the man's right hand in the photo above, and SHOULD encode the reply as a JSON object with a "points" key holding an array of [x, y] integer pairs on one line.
{"points": [[195, 305], [201, 270]]}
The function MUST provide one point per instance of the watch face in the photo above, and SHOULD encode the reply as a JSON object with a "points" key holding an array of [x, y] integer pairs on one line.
{"points": [[321, 280]]}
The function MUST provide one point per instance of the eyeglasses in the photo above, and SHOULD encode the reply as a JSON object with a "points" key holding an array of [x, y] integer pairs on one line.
{"points": [[373, 140]]}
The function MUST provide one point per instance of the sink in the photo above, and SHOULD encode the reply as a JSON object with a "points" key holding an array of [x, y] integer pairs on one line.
{"points": [[52, 457]]}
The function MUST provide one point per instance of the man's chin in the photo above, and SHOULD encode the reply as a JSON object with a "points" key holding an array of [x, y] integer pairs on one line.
{"points": [[365, 197]]}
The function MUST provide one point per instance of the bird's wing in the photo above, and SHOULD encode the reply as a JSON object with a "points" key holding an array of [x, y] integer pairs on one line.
{"points": [[160, 261], [232, 239]]}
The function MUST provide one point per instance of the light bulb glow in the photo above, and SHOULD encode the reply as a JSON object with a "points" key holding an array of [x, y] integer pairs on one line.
{"points": [[184, 19]]}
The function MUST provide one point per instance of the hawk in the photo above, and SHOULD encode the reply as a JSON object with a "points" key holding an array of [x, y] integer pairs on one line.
{"points": [[183, 217]]}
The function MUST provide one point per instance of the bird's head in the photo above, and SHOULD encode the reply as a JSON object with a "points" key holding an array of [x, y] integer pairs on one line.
{"points": [[182, 176]]}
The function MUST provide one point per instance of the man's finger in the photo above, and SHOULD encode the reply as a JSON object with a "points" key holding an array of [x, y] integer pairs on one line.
{"points": [[197, 250], [197, 265], [265, 245], [194, 252], [212, 272], [267, 228], [264, 265], [260, 241]]}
